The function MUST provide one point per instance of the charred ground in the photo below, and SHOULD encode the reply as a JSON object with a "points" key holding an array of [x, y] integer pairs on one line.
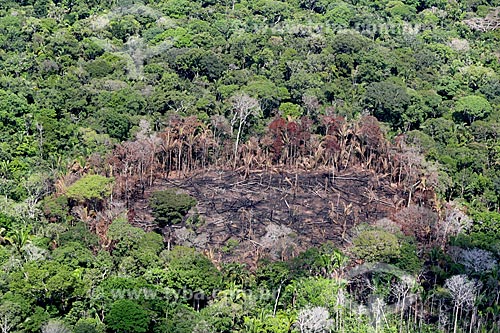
{"points": [[272, 214]]}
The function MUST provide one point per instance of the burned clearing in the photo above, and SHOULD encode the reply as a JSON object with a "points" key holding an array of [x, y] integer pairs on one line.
{"points": [[272, 214]]}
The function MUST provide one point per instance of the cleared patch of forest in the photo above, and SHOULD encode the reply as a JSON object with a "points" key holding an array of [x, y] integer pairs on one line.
{"points": [[245, 217], [276, 214]]}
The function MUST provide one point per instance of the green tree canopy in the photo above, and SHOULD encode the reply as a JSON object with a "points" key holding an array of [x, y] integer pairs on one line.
{"points": [[126, 316], [90, 187], [169, 207], [471, 108]]}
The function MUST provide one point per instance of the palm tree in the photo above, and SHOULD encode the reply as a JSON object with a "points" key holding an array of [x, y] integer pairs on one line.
{"points": [[19, 238]]}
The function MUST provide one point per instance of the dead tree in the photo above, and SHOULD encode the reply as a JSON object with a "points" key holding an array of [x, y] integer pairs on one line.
{"points": [[314, 320], [244, 107], [489, 23]]}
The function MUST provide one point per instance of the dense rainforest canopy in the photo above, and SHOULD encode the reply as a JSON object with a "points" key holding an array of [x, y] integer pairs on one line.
{"points": [[102, 102]]}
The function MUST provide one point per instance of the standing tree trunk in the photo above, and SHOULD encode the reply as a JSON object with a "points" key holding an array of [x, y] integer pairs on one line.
{"points": [[244, 106]]}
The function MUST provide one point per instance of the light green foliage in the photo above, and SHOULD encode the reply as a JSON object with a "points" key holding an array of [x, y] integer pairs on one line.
{"points": [[290, 110], [186, 267], [90, 187], [376, 245], [340, 14], [471, 108], [398, 9], [77, 77], [89, 325], [73, 254], [94, 142], [266, 91], [19, 237], [48, 282], [135, 244], [180, 37], [179, 8], [281, 323], [311, 292], [115, 288]]}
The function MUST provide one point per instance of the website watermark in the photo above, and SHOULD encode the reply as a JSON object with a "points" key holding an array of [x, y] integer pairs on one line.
{"points": [[399, 295]]}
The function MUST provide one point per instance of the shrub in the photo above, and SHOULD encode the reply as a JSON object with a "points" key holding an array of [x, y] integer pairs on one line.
{"points": [[376, 245], [169, 207], [89, 325], [90, 190], [56, 208]]}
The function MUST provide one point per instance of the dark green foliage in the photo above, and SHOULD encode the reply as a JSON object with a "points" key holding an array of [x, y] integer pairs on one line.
{"points": [[170, 207], [323, 261], [8, 222], [126, 316], [117, 125], [88, 325], [485, 234], [79, 232], [186, 267], [124, 27], [273, 274], [408, 259], [79, 77], [388, 102], [91, 49], [105, 65], [181, 319], [73, 254], [55, 208]]}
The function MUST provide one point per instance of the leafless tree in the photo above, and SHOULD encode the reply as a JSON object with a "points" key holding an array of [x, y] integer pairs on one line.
{"points": [[244, 107], [34, 253], [311, 103], [203, 327], [277, 240], [463, 292], [489, 23], [36, 187], [220, 129], [184, 236], [54, 326], [377, 309], [401, 291], [454, 222], [9, 316], [417, 221], [314, 320], [475, 260]]}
